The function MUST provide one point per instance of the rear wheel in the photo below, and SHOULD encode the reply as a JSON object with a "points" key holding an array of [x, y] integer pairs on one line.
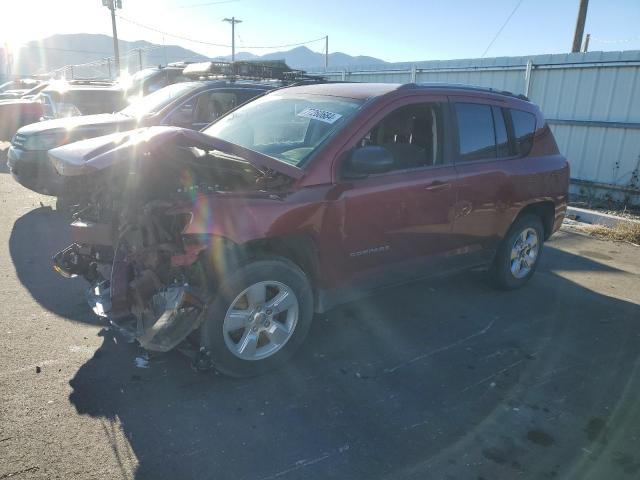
{"points": [[259, 318], [518, 255]]}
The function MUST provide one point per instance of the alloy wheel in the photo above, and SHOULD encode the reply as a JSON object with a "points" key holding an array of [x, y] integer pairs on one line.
{"points": [[524, 253], [261, 320]]}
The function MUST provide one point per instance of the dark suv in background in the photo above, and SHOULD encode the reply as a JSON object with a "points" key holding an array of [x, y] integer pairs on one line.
{"points": [[188, 104], [63, 99], [231, 238]]}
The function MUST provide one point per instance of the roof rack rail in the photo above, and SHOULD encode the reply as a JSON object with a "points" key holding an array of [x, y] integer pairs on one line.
{"points": [[180, 64], [248, 70], [462, 86], [79, 81]]}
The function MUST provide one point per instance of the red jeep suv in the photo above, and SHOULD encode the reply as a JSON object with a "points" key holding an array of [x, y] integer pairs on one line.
{"points": [[231, 238]]}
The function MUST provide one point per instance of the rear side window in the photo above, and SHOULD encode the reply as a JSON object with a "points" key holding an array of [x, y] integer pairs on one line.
{"points": [[212, 105], [524, 126], [476, 133]]}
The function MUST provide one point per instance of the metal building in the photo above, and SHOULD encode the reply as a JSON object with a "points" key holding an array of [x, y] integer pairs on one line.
{"points": [[591, 101]]}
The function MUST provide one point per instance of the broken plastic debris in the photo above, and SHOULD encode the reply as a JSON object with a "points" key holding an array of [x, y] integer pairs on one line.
{"points": [[142, 361]]}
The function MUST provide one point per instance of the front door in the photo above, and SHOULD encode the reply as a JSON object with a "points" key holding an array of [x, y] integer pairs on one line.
{"points": [[392, 224]]}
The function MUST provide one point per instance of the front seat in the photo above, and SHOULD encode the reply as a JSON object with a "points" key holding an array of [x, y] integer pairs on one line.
{"points": [[397, 136]]}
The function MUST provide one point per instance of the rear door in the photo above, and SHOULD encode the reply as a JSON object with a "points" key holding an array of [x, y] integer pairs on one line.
{"points": [[485, 163]]}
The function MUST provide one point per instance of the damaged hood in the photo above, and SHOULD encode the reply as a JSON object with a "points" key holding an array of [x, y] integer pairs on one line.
{"points": [[107, 122], [87, 156]]}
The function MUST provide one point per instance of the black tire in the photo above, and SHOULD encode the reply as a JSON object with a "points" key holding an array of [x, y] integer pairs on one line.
{"points": [[63, 205], [501, 272], [212, 335]]}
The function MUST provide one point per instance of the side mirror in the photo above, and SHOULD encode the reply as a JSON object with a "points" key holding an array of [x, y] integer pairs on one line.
{"points": [[369, 160]]}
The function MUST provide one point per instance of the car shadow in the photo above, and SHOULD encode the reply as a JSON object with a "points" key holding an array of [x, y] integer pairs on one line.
{"points": [[432, 380], [35, 238]]}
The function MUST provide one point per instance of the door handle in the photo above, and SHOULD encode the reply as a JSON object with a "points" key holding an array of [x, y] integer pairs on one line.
{"points": [[437, 186]]}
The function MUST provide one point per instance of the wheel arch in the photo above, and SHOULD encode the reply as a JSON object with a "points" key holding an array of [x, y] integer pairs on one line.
{"points": [[221, 256], [298, 248], [545, 210]]}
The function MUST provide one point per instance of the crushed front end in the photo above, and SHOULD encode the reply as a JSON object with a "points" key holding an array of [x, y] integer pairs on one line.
{"points": [[145, 274], [143, 277]]}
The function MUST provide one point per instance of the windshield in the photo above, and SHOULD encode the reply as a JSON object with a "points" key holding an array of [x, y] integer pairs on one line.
{"points": [[285, 127], [157, 100]]}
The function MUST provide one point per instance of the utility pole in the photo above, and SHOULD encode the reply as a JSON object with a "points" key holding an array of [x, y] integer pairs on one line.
{"points": [[233, 22], [326, 52], [112, 5], [585, 47], [164, 49], [139, 59], [582, 17]]}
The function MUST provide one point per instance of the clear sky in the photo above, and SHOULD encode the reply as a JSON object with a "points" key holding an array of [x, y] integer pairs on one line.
{"points": [[394, 30]]}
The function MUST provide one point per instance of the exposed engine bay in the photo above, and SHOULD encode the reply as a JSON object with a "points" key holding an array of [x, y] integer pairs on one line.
{"points": [[145, 275]]}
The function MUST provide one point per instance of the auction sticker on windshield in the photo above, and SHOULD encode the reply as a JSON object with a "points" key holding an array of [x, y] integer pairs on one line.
{"points": [[322, 115]]}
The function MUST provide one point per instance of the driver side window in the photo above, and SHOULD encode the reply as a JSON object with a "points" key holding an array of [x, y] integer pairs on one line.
{"points": [[183, 115], [411, 134], [212, 105], [203, 109]]}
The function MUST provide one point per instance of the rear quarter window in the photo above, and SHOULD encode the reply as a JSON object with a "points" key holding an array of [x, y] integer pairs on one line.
{"points": [[524, 126]]}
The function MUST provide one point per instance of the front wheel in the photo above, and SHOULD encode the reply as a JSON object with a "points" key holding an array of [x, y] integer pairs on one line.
{"points": [[519, 253], [259, 317]]}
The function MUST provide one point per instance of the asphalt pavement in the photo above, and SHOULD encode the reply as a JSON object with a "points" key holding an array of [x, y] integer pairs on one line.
{"points": [[442, 380]]}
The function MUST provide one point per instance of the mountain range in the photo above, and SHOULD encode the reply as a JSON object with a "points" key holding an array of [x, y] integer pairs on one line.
{"points": [[57, 51], [303, 57]]}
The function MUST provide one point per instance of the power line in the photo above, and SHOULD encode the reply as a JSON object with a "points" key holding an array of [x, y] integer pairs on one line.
{"points": [[287, 45], [107, 60], [68, 50], [180, 37], [73, 50], [501, 28], [153, 29], [622, 40]]}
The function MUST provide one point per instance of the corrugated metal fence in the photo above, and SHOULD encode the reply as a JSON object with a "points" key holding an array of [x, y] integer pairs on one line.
{"points": [[591, 101]]}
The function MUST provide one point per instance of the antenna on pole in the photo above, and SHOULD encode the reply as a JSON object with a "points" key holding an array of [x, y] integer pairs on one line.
{"points": [[233, 22], [585, 46]]}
